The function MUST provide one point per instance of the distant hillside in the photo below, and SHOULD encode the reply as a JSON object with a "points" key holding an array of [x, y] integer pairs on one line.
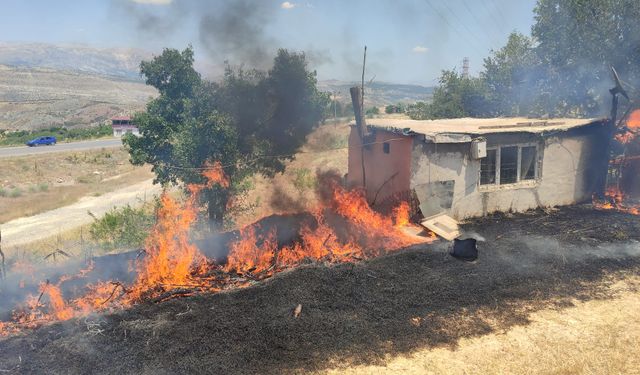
{"points": [[33, 98], [380, 93], [113, 62], [44, 85]]}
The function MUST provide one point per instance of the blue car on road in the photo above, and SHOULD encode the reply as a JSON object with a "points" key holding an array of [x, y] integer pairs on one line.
{"points": [[42, 141]]}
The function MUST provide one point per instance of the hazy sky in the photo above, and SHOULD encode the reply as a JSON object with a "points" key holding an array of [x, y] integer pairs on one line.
{"points": [[409, 41]]}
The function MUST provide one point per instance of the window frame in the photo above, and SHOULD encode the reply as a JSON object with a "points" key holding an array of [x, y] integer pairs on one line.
{"points": [[519, 181]]}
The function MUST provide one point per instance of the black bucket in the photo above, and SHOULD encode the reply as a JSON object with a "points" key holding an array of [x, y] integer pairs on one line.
{"points": [[465, 249]]}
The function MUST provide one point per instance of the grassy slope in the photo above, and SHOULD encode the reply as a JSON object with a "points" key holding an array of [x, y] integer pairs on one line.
{"points": [[38, 183]]}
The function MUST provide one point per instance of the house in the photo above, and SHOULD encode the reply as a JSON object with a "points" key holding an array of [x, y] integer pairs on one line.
{"points": [[122, 125], [470, 167]]}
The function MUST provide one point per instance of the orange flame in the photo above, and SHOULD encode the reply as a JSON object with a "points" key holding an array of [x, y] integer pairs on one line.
{"points": [[247, 256], [215, 174], [173, 262], [169, 254], [368, 233], [633, 121], [616, 200]]}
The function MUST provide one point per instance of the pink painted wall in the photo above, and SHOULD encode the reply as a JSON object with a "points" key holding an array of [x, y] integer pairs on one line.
{"points": [[380, 167]]}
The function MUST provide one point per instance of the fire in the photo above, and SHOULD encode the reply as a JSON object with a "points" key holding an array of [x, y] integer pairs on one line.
{"points": [[633, 126], [616, 200], [59, 308], [215, 174], [170, 256], [633, 122], [344, 229], [401, 214], [246, 255], [364, 233]]}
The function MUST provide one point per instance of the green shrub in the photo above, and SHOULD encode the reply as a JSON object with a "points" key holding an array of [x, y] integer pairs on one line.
{"points": [[15, 192], [3, 192], [304, 179], [33, 188], [124, 227], [43, 186]]}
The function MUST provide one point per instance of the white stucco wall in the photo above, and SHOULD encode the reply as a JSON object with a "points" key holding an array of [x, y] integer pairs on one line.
{"points": [[568, 163]]}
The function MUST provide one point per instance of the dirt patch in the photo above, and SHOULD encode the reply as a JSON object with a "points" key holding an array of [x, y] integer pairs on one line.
{"points": [[351, 313]]}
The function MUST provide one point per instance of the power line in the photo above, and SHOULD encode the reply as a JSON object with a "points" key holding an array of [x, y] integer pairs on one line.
{"points": [[478, 21], [497, 7], [463, 23], [451, 26], [499, 24]]}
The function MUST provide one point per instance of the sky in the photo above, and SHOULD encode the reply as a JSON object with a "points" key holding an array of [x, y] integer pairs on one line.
{"points": [[408, 41]]}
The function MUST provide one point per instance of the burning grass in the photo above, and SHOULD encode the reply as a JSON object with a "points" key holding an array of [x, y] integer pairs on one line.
{"points": [[615, 200], [364, 313], [344, 229]]}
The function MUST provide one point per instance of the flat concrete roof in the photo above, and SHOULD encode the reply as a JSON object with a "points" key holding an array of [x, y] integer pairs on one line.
{"points": [[461, 129]]}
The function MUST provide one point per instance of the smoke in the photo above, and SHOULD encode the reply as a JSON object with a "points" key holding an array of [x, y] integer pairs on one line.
{"points": [[237, 32], [24, 279], [529, 254], [151, 22], [232, 31]]}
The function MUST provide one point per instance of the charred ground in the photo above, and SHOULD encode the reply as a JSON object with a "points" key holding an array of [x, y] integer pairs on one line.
{"points": [[353, 313]]}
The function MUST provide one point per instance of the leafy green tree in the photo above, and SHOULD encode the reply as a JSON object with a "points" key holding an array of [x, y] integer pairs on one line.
{"points": [[372, 111], [251, 122], [418, 111], [458, 96], [563, 69], [509, 75], [394, 108], [577, 42]]}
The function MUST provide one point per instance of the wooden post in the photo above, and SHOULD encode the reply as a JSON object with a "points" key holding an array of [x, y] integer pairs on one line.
{"points": [[357, 100]]}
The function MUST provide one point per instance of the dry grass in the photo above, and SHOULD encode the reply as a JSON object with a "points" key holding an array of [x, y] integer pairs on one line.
{"points": [[76, 242], [291, 191], [592, 337], [38, 183]]}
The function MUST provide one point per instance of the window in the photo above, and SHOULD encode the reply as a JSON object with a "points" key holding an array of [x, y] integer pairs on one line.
{"points": [[488, 168], [528, 163], [509, 165], [386, 147]]}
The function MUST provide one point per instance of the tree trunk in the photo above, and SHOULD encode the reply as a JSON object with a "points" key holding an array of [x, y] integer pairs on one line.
{"points": [[216, 208]]}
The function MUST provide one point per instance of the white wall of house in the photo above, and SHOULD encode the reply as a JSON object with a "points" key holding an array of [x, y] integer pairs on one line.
{"points": [[119, 131], [569, 165]]}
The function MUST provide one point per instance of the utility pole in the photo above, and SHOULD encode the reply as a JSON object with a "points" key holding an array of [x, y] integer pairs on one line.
{"points": [[465, 67]]}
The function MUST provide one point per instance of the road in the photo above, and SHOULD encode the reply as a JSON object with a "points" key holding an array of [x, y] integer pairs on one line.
{"points": [[48, 224], [6, 152]]}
